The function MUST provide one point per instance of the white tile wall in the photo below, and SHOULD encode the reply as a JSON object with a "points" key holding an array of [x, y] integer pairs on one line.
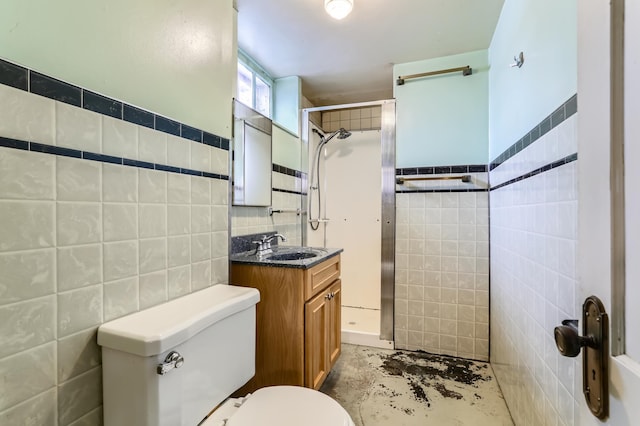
{"points": [[37, 185], [27, 117], [442, 273], [77, 128], [533, 279], [254, 220], [83, 242], [179, 151], [152, 146], [120, 138]]}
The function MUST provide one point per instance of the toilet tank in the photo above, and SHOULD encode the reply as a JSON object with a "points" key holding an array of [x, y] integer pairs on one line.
{"points": [[213, 330]]}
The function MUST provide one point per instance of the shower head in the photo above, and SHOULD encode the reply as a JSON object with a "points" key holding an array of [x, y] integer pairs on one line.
{"points": [[343, 134]]}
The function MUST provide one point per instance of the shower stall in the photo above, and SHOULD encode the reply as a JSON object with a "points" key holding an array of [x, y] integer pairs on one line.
{"points": [[350, 204]]}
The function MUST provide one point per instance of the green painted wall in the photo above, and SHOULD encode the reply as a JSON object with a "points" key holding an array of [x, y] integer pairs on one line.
{"points": [[442, 120], [176, 58], [286, 148], [287, 93], [546, 31], [287, 98]]}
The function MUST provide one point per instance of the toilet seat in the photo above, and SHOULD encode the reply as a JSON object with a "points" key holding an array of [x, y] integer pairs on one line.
{"points": [[289, 406]]}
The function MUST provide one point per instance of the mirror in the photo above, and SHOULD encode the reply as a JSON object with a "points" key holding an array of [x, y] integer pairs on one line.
{"points": [[252, 163]]}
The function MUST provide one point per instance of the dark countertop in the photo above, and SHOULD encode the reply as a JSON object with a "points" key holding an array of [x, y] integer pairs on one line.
{"points": [[250, 258]]}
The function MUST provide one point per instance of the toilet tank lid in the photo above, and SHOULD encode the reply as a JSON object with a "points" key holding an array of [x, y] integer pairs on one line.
{"points": [[162, 327]]}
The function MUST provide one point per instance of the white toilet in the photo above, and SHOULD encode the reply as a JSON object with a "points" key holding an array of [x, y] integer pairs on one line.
{"points": [[173, 364]]}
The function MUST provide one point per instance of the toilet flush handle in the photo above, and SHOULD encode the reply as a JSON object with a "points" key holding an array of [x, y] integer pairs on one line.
{"points": [[171, 361]]}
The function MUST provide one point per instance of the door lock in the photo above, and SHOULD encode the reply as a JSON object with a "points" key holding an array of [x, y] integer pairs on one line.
{"points": [[595, 355]]}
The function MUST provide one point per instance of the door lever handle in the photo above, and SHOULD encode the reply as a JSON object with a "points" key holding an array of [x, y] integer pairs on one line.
{"points": [[595, 356], [568, 341]]}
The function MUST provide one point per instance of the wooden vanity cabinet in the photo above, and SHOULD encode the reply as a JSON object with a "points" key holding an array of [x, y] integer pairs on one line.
{"points": [[297, 322], [322, 334]]}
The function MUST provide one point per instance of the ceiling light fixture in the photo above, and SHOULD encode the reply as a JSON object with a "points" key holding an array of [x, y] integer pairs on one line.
{"points": [[338, 9]]}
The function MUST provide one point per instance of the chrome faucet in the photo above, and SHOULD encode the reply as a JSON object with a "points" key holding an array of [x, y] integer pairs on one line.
{"points": [[263, 246]]}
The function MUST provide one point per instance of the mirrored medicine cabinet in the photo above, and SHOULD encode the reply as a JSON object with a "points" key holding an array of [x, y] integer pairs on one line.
{"points": [[252, 162]]}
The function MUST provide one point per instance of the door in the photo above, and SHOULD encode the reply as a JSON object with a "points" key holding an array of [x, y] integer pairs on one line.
{"points": [[609, 215]]}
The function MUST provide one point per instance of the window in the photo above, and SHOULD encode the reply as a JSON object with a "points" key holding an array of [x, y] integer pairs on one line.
{"points": [[245, 85], [254, 89], [263, 97]]}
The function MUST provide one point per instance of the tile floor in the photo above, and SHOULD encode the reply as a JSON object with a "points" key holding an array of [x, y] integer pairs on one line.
{"points": [[380, 387]]}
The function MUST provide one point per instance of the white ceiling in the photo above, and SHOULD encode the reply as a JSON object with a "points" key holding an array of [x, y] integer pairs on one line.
{"points": [[351, 60]]}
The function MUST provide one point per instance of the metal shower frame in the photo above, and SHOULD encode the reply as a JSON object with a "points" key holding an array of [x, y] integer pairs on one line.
{"points": [[388, 214]]}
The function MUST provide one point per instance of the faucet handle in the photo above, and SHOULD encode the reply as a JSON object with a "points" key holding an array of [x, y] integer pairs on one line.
{"points": [[276, 236], [264, 245], [263, 240], [260, 245]]}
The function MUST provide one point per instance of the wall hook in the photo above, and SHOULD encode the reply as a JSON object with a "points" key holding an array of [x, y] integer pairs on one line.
{"points": [[519, 60]]}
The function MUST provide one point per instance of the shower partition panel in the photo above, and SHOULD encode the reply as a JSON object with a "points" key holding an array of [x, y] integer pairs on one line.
{"points": [[358, 195], [388, 140], [353, 207]]}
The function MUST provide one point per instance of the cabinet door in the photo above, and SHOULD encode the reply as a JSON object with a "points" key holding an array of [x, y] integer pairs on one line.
{"points": [[317, 317], [335, 325]]}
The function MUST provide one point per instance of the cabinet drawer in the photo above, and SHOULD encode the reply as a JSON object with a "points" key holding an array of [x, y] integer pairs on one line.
{"points": [[320, 276]]}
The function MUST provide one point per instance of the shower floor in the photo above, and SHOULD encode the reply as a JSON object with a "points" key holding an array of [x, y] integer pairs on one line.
{"points": [[380, 387], [361, 326], [360, 320]]}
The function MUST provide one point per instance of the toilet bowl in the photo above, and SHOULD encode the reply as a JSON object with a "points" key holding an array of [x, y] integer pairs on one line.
{"points": [[172, 364], [281, 406]]}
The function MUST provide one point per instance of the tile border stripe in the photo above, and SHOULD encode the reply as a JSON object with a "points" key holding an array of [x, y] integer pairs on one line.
{"points": [[437, 170], [86, 155], [431, 191], [287, 191], [14, 143], [566, 160], [286, 170], [22, 78], [562, 113]]}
